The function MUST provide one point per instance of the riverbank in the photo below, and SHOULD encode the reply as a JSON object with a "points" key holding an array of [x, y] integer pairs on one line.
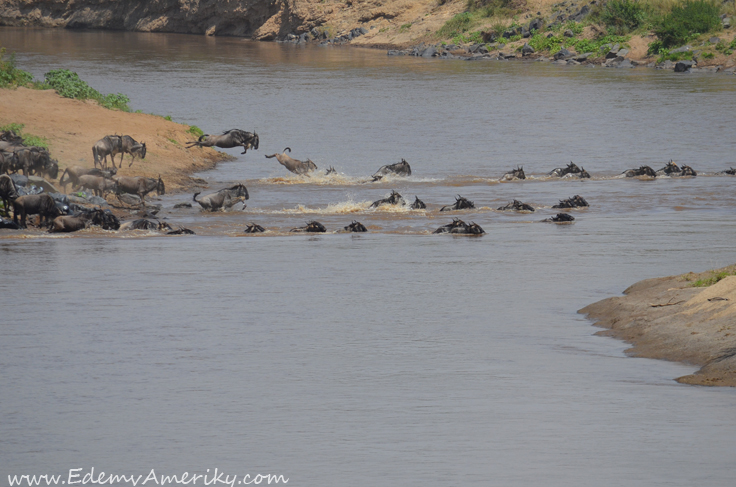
{"points": [[71, 128], [669, 318]]}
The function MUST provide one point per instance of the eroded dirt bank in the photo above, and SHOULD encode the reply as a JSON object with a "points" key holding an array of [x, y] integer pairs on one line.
{"points": [[71, 128], [667, 318]]}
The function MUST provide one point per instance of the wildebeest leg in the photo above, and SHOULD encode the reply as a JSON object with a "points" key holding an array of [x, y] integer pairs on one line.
{"points": [[132, 160]]}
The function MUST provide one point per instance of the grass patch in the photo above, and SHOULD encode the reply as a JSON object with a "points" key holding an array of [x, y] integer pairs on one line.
{"points": [[622, 16], [457, 25], [28, 139], [195, 131], [69, 85], [172, 141], [687, 21], [715, 277], [599, 47], [404, 28]]}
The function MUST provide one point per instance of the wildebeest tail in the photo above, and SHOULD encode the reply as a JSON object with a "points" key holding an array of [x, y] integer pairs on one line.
{"points": [[194, 198]]}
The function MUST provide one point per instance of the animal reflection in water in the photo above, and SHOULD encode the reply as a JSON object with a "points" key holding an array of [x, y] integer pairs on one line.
{"points": [[223, 199], [459, 227], [228, 140], [303, 168], [399, 169]]}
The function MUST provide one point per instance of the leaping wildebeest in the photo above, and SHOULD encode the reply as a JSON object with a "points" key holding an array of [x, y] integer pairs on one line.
{"points": [[228, 139], [399, 169], [294, 165], [139, 185], [223, 199]]}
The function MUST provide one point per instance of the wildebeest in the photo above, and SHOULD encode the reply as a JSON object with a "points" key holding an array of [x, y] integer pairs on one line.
{"points": [[398, 169], [143, 224], [516, 206], [254, 228], [640, 171], [228, 139], [109, 145], [42, 205], [394, 199], [670, 169], [513, 174], [461, 228], [576, 201], [8, 162], [294, 165], [559, 172], [460, 204], [356, 227], [73, 173], [139, 185], [181, 231], [560, 218], [687, 171], [418, 204], [130, 146], [730, 171], [98, 184], [223, 199], [36, 160], [8, 192], [330, 170], [312, 227]]}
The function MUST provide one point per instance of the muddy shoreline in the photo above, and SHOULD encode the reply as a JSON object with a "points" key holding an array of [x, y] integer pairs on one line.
{"points": [[668, 318]]}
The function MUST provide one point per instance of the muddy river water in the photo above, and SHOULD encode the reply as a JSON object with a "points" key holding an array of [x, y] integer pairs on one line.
{"points": [[394, 357]]}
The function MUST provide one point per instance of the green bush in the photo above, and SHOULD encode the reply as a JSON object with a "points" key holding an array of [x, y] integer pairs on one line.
{"points": [[10, 75], [28, 139], [69, 85], [622, 16], [457, 25], [195, 131], [687, 21]]}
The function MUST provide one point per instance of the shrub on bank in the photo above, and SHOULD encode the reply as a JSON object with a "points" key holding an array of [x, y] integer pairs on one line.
{"points": [[622, 16], [686, 21], [10, 75], [69, 85]]}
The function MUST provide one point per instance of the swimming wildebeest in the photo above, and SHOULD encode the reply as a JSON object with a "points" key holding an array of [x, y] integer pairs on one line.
{"points": [[356, 227], [139, 185], [516, 206], [223, 199], [687, 171], [98, 184], [418, 204], [228, 139], [560, 218], [730, 171], [330, 170], [112, 145], [73, 173], [254, 228], [143, 224], [8, 192], [399, 169], [640, 171], [559, 172], [670, 169], [513, 174], [294, 165], [42, 205], [461, 228], [460, 204], [312, 227], [576, 201], [394, 199]]}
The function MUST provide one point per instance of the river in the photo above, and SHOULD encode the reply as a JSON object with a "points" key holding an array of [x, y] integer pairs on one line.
{"points": [[394, 357]]}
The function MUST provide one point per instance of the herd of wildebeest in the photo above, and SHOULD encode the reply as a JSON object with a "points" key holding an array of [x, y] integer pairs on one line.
{"points": [[56, 211]]}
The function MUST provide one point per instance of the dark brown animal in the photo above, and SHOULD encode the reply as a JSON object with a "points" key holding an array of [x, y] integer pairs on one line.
{"points": [[460, 204], [42, 205], [399, 169], [576, 201], [312, 227], [8, 192], [394, 199], [229, 139], [459, 227]]}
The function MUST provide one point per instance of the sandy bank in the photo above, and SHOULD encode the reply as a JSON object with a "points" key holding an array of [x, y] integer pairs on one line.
{"points": [[73, 126], [667, 318]]}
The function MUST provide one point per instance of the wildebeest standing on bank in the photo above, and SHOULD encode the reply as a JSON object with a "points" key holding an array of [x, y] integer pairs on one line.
{"points": [[112, 145], [74, 172], [225, 198], [228, 139], [98, 184], [36, 160], [42, 205], [8, 192], [294, 165], [139, 185]]}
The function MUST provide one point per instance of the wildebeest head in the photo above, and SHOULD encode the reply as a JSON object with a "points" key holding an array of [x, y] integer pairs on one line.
{"points": [[688, 171], [561, 218], [356, 227], [583, 173], [139, 150], [312, 227], [240, 191], [418, 204], [52, 170], [254, 228], [256, 140], [160, 188]]}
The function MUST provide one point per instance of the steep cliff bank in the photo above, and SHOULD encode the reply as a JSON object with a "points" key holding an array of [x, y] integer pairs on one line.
{"points": [[258, 19]]}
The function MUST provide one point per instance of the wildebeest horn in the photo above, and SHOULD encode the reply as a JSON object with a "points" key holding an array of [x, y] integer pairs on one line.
{"points": [[288, 148]]}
